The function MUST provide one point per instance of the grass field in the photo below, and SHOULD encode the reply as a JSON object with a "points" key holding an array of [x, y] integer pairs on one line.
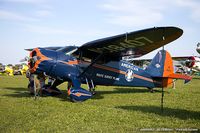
{"points": [[112, 109]]}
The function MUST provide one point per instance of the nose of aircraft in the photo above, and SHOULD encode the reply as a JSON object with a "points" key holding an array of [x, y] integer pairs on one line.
{"points": [[53, 63], [32, 60], [36, 57]]}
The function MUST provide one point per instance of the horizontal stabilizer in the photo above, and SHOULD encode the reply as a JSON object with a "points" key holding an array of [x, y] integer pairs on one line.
{"points": [[180, 76]]}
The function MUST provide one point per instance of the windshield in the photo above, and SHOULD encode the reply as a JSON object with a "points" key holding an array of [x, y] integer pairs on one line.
{"points": [[68, 49]]}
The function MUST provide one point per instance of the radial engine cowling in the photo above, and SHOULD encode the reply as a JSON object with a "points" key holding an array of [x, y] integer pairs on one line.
{"points": [[53, 63]]}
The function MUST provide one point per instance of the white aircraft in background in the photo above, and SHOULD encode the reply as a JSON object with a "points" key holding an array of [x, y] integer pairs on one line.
{"points": [[191, 62], [198, 48]]}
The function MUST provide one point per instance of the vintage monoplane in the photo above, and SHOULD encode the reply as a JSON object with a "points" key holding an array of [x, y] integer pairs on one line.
{"points": [[100, 62]]}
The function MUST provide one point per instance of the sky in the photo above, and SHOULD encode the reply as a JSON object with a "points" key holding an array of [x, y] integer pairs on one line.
{"points": [[40, 23]]}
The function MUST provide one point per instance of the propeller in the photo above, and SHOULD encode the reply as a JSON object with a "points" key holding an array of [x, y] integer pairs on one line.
{"points": [[25, 59]]}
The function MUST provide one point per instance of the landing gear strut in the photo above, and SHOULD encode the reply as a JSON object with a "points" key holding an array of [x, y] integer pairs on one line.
{"points": [[91, 86]]}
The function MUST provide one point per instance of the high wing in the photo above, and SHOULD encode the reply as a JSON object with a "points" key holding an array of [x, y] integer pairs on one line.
{"points": [[136, 43]]}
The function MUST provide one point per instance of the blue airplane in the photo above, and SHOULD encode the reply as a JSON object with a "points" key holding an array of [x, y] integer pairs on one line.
{"points": [[100, 62]]}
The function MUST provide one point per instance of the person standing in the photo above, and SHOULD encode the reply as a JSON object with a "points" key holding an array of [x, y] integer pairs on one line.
{"points": [[30, 77]]}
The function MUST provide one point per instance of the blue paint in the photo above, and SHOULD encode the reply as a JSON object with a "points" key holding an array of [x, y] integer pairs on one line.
{"points": [[79, 94]]}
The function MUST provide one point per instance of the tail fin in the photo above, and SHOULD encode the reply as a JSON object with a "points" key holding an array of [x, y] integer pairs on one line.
{"points": [[161, 67]]}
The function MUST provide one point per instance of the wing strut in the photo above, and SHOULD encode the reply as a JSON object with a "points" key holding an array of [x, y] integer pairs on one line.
{"points": [[94, 61]]}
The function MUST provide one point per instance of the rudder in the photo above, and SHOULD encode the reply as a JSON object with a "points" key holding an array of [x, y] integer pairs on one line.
{"points": [[161, 67]]}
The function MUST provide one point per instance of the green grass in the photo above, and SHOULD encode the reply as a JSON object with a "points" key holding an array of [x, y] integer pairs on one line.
{"points": [[112, 109]]}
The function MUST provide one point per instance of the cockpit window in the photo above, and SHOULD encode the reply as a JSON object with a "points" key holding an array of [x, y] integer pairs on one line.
{"points": [[68, 49]]}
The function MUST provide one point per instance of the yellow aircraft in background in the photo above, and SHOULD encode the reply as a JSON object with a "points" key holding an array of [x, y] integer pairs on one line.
{"points": [[9, 70], [15, 70], [24, 69]]}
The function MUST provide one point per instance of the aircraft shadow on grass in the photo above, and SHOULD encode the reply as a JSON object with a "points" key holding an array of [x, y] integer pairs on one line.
{"points": [[167, 112], [23, 92], [15, 88], [20, 92], [132, 90]]}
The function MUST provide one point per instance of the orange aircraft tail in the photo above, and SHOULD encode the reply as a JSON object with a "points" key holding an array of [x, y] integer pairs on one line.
{"points": [[161, 67]]}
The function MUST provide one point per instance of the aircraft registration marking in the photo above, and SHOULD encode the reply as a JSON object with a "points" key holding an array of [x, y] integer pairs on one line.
{"points": [[126, 44]]}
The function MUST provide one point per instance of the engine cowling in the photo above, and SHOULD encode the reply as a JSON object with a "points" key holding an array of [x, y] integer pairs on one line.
{"points": [[53, 63]]}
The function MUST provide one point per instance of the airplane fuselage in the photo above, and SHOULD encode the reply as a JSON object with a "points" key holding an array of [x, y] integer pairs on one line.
{"points": [[119, 73], [113, 73]]}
